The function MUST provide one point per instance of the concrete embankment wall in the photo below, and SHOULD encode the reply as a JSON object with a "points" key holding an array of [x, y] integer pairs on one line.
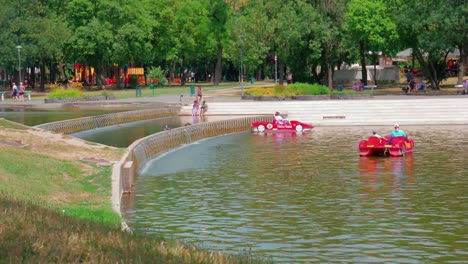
{"points": [[149, 147], [92, 122], [409, 110]]}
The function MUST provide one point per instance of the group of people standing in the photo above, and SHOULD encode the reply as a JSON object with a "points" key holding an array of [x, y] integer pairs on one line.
{"points": [[18, 92], [412, 86], [197, 107]]}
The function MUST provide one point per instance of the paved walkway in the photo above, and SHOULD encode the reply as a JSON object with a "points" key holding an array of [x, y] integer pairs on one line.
{"points": [[377, 110]]}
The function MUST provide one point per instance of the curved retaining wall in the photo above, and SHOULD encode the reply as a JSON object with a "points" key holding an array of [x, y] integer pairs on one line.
{"points": [[92, 122], [149, 147]]}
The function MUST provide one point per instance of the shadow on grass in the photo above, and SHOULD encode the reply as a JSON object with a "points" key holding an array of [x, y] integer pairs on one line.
{"points": [[32, 234]]}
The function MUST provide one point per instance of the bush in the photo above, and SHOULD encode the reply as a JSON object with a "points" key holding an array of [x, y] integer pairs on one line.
{"points": [[290, 90], [157, 76], [309, 89], [65, 93]]}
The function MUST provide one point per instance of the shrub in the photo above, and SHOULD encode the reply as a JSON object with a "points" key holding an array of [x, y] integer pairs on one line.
{"points": [[259, 91], [76, 84], [290, 90], [157, 75], [309, 89], [65, 93], [133, 81], [54, 86]]}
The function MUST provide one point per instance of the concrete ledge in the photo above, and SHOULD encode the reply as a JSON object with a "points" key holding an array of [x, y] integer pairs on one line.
{"points": [[149, 147], [82, 99], [92, 122]]}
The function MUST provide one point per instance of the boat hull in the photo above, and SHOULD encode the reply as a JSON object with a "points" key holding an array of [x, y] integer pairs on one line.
{"points": [[384, 146]]}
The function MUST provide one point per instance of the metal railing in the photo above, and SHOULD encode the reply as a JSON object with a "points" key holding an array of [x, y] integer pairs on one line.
{"points": [[92, 122], [151, 146]]}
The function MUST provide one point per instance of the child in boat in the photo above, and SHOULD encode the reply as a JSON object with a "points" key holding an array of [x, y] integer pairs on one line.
{"points": [[280, 119], [374, 133]]}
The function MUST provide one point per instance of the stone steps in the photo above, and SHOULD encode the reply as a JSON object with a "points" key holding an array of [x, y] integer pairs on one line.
{"points": [[351, 112]]}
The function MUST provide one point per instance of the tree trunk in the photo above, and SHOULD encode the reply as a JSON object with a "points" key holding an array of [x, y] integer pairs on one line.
{"points": [[281, 72], [375, 68], [184, 74], [60, 66], [43, 76], [117, 78], [171, 73], [461, 62], [32, 78], [259, 73], [363, 62], [218, 69], [329, 76]]}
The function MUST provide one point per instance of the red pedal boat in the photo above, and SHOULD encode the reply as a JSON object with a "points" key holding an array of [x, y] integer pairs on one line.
{"points": [[384, 146], [275, 126]]}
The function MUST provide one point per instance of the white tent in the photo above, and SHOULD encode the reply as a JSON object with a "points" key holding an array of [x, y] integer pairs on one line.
{"points": [[405, 53]]}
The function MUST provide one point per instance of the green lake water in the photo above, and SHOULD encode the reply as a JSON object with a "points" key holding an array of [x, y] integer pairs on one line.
{"points": [[33, 117], [302, 198]]}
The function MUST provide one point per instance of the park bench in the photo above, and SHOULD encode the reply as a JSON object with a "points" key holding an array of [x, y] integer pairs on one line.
{"points": [[370, 87], [28, 93], [462, 88]]}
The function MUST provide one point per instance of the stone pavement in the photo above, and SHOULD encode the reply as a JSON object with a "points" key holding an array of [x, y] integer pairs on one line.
{"points": [[377, 110]]}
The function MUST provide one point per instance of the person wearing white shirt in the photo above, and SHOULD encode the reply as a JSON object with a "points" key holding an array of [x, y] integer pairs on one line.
{"points": [[280, 119]]}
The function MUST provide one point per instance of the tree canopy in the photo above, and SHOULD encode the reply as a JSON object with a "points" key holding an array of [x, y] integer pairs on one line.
{"points": [[214, 37]]}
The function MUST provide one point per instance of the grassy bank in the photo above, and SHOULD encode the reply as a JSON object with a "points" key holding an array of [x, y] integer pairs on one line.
{"points": [[145, 91], [49, 169], [55, 206], [37, 234]]}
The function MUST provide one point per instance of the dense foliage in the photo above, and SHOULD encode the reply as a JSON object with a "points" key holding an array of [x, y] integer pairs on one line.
{"points": [[61, 93], [290, 90], [212, 38]]}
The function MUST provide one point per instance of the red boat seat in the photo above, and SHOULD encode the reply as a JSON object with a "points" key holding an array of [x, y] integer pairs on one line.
{"points": [[376, 141]]}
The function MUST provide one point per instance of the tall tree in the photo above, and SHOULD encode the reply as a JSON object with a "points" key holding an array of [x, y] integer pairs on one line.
{"points": [[429, 33], [330, 35], [369, 25], [219, 17], [90, 43]]}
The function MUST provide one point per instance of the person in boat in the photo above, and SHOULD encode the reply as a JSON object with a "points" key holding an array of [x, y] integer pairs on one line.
{"points": [[397, 132], [280, 119], [374, 133]]}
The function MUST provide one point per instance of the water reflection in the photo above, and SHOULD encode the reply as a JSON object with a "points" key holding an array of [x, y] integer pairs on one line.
{"points": [[388, 170], [123, 135], [33, 117], [303, 198]]}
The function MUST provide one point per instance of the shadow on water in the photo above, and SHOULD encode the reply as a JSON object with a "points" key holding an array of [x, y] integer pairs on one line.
{"points": [[303, 198], [33, 117], [123, 135]]}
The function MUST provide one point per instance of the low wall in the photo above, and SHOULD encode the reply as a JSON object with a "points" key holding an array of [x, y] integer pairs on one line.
{"points": [[389, 74], [149, 147], [92, 122], [80, 99]]}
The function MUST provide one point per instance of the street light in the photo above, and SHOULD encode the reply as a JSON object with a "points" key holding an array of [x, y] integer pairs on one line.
{"points": [[241, 69], [19, 62], [276, 69]]}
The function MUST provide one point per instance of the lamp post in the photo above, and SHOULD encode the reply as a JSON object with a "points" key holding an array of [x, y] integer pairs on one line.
{"points": [[241, 69], [276, 69], [19, 62]]}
